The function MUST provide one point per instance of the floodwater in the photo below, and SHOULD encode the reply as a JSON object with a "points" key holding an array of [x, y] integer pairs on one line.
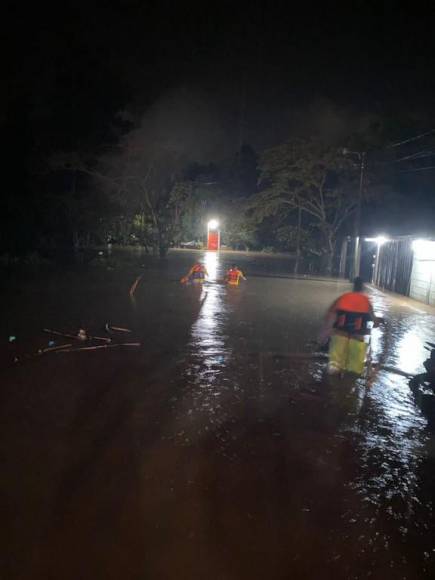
{"points": [[216, 450]]}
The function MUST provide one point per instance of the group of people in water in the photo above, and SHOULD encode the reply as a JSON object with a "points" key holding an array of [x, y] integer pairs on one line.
{"points": [[347, 324], [198, 275]]}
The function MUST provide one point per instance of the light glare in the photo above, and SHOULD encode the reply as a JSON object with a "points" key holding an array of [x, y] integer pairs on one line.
{"points": [[379, 240], [213, 224], [424, 249]]}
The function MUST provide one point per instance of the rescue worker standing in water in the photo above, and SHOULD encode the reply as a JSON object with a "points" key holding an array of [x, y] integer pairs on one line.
{"points": [[234, 275], [346, 324], [196, 274]]}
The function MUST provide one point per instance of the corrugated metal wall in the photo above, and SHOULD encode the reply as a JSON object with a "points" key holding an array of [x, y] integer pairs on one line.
{"points": [[423, 281], [394, 267]]}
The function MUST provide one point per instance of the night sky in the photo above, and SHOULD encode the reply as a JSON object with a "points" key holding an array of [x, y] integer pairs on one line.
{"points": [[270, 70]]}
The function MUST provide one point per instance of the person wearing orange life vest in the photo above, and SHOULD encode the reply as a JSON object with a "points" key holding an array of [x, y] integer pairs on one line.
{"points": [[196, 274], [234, 275], [347, 323]]}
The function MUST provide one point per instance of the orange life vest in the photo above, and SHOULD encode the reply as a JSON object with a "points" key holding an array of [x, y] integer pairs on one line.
{"points": [[353, 302], [197, 272], [353, 311], [233, 276]]}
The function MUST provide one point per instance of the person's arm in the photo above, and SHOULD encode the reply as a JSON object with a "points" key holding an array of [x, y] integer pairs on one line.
{"points": [[188, 276], [242, 275], [328, 323]]}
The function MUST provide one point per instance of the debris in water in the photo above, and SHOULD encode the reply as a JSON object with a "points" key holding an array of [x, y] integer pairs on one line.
{"points": [[100, 346], [82, 335], [55, 348], [120, 329], [57, 333], [109, 328], [134, 286]]}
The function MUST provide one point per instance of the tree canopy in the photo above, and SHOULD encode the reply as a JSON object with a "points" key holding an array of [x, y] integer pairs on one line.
{"points": [[313, 178]]}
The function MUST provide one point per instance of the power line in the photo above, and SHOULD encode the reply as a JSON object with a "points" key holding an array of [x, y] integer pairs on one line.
{"points": [[399, 143], [419, 169], [418, 155]]}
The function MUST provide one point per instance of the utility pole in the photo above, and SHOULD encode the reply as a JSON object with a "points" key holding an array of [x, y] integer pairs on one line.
{"points": [[343, 257], [298, 241], [357, 257], [362, 155]]}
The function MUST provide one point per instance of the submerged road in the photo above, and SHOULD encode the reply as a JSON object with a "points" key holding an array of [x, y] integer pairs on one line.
{"points": [[215, 451]]}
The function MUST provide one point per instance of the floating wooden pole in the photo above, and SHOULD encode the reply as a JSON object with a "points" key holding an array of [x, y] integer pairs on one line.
{"points": [[134, 286], [57, 333], [55, 348], [88, 348], [75, 336], [109, 327]]}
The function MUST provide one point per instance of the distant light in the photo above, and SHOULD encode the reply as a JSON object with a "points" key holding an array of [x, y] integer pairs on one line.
{"points": [[213, 225], [379, 240], [424, 249]]}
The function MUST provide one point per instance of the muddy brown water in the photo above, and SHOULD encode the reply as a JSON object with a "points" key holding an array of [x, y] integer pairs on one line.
{"points": [[210, 452]]}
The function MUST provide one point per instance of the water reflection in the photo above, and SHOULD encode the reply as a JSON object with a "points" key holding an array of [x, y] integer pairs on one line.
{"points": [[208, 393], [410, 351], [386, 432], [211, 262], [207, 339], [392, 439]]}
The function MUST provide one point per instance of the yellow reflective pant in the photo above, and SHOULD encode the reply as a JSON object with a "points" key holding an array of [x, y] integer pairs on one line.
{"points": [[346, 354]]}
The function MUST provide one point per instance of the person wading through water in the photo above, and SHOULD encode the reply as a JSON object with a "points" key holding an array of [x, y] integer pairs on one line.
{"points": [[346, 325], [234, 275], [196, 274]]}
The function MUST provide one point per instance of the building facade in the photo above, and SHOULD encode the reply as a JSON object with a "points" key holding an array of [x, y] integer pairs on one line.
{"points": [[405, 265]]}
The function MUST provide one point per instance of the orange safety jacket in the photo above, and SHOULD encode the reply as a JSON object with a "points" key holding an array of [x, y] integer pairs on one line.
{"points": [[353, 312], [233, 276], [197, 272]]}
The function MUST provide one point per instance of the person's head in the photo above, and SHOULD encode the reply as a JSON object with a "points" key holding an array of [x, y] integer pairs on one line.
{"points": [[233, 267], [358, 284]]}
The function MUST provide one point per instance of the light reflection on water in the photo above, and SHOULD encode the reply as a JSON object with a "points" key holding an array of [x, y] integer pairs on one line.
{"points": [[388, 430], [207, 341], [211, 261], [409, 351], [392, 437], [208, 394]]}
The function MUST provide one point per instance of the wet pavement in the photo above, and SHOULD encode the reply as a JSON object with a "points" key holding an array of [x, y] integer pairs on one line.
{"points": [[218, 450]]}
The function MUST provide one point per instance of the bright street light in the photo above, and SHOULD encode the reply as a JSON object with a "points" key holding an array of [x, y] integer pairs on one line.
{"points": [[379, 240], [213, 224]]}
